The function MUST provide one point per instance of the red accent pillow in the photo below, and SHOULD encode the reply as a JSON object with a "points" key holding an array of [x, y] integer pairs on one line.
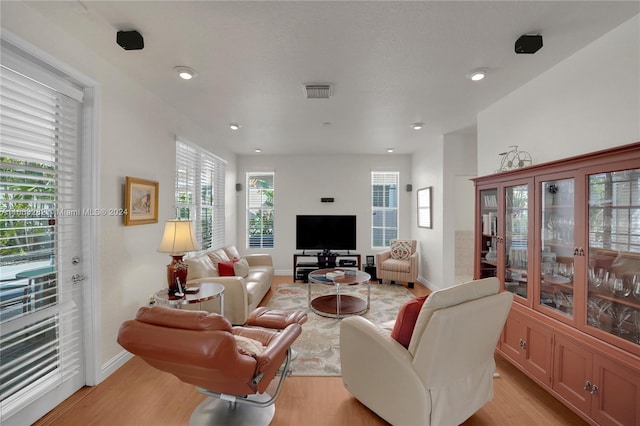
{"points": [[406, 321], [225, 269]]}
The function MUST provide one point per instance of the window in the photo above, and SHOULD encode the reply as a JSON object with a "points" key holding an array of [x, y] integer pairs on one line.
{"points": [[200, 180], [260, 212], [384, 208]]}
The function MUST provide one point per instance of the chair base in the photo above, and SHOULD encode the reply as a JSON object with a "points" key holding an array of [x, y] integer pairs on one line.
{"points": [[214, 411]]}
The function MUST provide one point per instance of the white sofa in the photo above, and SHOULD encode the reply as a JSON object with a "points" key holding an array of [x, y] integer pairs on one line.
{"points": [[242, 292]]}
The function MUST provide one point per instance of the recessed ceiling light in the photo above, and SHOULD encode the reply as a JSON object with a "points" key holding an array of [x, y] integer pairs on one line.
{"points": [[234, 126], [477, 75], [390, 150], [257, 150], [417, 126], [185, 73]]}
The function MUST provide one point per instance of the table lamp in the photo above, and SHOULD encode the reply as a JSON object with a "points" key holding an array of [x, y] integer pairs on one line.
{"points": [[178, 239]]}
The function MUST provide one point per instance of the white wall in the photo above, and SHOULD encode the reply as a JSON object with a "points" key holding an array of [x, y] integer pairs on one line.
{"points": [[459, 205], [136, 138], [300, 182], [428, 170], [446, 164], [589, 102]]}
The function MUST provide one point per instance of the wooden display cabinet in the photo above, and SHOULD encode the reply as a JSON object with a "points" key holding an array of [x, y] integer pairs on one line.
{"points": [[529, 344], [564, 237]]}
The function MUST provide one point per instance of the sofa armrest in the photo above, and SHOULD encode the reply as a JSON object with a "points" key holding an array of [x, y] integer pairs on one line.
{"points": [[236, 299], [259, 259], [382, 256], [414, 259], [387, 362]]}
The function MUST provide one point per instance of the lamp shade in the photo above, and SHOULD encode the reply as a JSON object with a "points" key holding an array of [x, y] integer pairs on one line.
{"points": [[178, 237]]}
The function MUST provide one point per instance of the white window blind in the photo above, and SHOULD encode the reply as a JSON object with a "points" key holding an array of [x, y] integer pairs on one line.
{"points": [[384, 208], [40, 341], [614, 210], [260, 210], [200, 183]]}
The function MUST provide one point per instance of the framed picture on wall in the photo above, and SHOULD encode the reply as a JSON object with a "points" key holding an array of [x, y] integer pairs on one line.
{"points": [[424, 207], [140, 201]]}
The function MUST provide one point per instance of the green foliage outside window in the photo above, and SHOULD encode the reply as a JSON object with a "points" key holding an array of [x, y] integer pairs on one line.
{"points": [[27, 206]]}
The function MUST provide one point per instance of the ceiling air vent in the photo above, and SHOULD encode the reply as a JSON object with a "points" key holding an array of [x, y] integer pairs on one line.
{"points": [[317, 91]]}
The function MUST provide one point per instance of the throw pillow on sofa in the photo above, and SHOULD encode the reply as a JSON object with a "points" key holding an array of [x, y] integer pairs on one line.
{"points": [[232, 252], [226, 269], [200, 267], [218, 256], [406, 321], [241, 268], [401, 249]]}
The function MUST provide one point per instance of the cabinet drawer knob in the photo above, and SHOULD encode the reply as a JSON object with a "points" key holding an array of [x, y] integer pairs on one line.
{"points": [[594, 389], [587, 385]]}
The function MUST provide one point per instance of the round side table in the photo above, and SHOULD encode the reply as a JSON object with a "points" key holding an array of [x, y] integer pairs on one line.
{"points": [[208, 291]]}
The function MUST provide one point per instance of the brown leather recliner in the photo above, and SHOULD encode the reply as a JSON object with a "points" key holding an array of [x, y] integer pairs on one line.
{"points": [[200, 348]]}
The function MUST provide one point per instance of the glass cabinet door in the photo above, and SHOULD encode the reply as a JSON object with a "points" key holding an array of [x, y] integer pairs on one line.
{"points": [[613, 302], [557, 244], [488, 251], [516, 238]]}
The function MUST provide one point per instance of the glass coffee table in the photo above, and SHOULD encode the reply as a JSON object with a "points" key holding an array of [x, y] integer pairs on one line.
{"points": [[207, 291], [336, 304]]}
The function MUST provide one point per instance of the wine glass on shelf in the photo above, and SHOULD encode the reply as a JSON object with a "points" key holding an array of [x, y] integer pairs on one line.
{"points": [[592, 279], [636, 287], [620, 288], [619, 314], [593, 311], [562, 269], [609, 282], [603, 311], [602, 277], [636, 322]]}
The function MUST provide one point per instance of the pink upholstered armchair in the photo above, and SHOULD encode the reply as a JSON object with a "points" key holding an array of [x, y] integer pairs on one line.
{"points": [[399, 262]]}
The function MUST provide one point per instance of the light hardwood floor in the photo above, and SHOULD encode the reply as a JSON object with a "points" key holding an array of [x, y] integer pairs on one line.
{"points": [[137, 394]]}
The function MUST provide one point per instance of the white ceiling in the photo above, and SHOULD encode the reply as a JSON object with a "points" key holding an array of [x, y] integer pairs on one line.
{"points": [[391, 63]]}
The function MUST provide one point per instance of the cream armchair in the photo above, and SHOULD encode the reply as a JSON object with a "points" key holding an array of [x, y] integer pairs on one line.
{"points": [[446, 374], [399, 262]]}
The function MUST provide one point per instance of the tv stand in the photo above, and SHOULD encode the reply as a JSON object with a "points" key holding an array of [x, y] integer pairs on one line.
{"points": [[323, 259]]}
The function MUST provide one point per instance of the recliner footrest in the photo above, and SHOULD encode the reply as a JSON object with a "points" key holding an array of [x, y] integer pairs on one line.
{"points": [[275, 318]]}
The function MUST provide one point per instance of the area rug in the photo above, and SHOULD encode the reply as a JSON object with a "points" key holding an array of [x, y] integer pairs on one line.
{"points": [[319, 344]]}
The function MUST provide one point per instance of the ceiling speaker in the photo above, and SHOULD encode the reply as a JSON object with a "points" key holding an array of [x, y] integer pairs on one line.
{"points": [[130, 40], [528, 43]]}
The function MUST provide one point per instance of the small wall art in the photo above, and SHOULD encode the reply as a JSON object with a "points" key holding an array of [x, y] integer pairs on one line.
{"points": [[140, 201], [424, 207]]}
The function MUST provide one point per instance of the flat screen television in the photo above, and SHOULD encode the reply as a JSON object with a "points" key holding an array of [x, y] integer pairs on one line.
{"points": [[326, 232]]}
